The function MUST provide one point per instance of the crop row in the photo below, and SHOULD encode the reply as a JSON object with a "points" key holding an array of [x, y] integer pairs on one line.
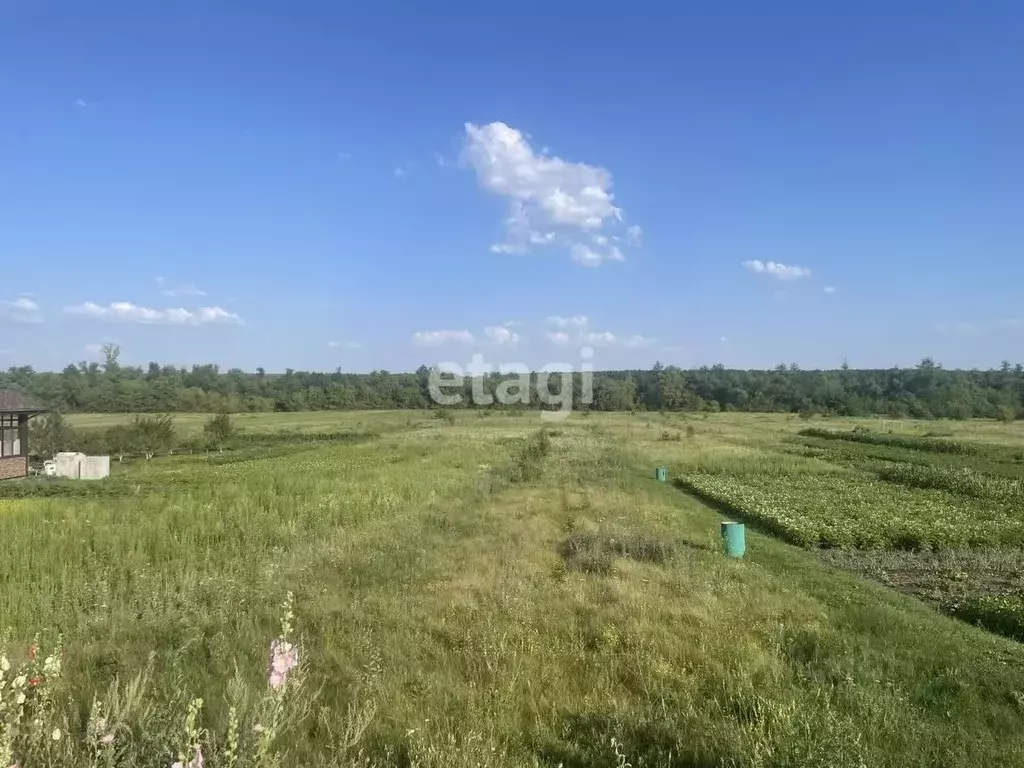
{"points": [[853, 510], [911, 442], [962, 481]]}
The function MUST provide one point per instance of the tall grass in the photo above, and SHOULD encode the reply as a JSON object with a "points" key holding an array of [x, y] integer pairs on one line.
{"points": [[440, 625]]}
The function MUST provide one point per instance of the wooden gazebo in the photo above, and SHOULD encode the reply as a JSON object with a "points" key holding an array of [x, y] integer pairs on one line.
{"points": [[15, 411]]}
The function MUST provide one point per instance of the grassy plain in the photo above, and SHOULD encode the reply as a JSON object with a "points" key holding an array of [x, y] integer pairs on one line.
{"points": [[471, 594]]}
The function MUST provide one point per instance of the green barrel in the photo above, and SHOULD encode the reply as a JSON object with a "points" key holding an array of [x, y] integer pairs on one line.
{"points": [[661, 473], [735, 539]]}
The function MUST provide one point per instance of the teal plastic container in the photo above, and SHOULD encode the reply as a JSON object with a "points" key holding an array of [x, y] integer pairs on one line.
{"points": [[661, 474], [734, 537]]}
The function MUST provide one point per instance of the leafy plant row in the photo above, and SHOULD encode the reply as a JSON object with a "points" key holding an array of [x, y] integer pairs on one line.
{"points": [[911, 442], [962, 481], [854, 511]]}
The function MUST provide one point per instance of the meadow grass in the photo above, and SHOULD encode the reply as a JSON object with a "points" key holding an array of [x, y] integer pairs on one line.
{"points": [[476, 594]]}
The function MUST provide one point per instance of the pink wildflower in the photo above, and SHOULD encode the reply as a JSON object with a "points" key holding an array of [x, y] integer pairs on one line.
{"points": [[284, 657]]}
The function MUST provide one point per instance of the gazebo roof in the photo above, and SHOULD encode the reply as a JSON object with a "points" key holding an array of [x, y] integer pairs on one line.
{"points": [[15, 402]]}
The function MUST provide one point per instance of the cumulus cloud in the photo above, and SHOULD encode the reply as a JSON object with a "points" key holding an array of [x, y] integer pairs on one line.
{"points": [[595, 257], [501, 335], [774, 268], [608, 339], [576, 321], [21, 310], [127, 312], [830, 289], [437, 338], [577, 333], [551, 200], [559, 337]]}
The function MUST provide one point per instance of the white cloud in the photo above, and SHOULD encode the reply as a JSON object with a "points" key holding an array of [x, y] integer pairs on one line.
{"points": [[21, 310], [550, 200], [178, 290], [723, 339], [830, 289], [590, 257], [25, 304], [781, 271], [636, 340], [599, 339], [634, 234], [502, 336], [128, 312], [576, 321], [333, 343], [436, 338], [81, 103], [609, 339], [582, 337]]}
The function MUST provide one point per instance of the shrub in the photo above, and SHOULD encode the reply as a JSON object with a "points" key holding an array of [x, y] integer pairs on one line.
{"points": [[528, 463], [153, 434], [120, 440], [218, 429], [49, 435]]}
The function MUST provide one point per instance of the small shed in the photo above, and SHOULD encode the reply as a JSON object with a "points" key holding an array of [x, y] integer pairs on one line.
{"points": [[15, 411]]}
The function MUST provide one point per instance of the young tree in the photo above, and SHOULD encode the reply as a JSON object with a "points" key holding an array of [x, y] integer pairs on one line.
{"points": [[121, 440], [154, 434], [218, 429], [50, 435]]}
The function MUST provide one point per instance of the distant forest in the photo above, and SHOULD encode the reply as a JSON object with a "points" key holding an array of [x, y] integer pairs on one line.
{"points": [[924, 391]]}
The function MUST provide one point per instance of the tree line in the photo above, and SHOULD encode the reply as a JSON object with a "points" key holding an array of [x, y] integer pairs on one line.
{"points": [[144, 436], [925, 391]]}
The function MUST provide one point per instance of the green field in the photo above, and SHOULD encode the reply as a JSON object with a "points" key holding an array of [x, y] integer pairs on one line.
{"points": [[497, 592]]}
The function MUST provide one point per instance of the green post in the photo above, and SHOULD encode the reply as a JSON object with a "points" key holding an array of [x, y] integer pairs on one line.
{"points": [[661, 474], [734, 538]]}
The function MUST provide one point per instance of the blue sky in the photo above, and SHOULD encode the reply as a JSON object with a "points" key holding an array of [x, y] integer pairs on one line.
{"points": [[322, 185]]}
